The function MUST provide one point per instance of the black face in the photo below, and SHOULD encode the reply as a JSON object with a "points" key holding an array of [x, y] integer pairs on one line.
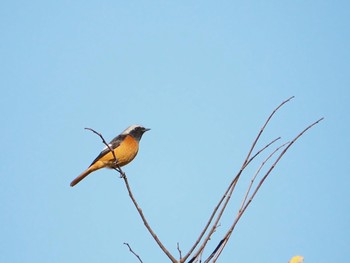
{"points": [[138, 132]]}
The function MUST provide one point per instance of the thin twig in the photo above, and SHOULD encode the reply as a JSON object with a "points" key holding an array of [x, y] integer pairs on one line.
{"points": [[200, 256], [262, 149], [117, 168], [224, 241], [178, 249], [103, 140], [263, 128], [257, 172], [132, 251]]}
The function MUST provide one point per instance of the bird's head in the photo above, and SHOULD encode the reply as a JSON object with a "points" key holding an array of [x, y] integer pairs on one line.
{"points": [[135, 131]]}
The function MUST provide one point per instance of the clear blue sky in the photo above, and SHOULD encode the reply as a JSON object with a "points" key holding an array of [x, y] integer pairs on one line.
{"points": [[203, 75]]}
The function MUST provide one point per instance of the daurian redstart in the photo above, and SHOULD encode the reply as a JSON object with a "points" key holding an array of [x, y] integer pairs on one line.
{"points": [[125, 147]]}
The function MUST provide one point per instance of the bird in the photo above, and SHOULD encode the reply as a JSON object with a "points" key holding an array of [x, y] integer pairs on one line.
{"points": [[125, 147]]}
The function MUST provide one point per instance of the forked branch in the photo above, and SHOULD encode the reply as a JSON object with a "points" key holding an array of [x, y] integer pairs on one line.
{"points": [[217, 251], [218, 211]]}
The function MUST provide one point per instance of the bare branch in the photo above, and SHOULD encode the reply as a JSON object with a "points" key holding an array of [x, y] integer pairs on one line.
{"points": [[257, 172], [103, 140], [206, 226], [150, 230], [247, 193], [262, 130], [213, 228], [224, 241], [262, 149], [220, 208], [230, 189], [222, 199], [138, 257], [178, 249]]}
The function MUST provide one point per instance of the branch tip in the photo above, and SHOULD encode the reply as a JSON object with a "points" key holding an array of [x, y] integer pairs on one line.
{"points": [[132, 251]]}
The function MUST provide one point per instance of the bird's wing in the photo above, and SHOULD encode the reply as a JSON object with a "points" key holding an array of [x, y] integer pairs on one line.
{"points": [[113, 144]]}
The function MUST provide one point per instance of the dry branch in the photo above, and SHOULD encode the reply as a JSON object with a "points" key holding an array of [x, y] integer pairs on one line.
{"points": [[132, 251], [220, 208], [179, 250], [224, 241], [258, 171], [145, 222], [228, 193]]}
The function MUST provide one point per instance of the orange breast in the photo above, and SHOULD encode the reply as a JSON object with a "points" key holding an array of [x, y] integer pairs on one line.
{"points": [[125, 152]]}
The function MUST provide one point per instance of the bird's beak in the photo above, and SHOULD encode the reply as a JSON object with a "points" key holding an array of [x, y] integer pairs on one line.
{"points": [[146, 129]]}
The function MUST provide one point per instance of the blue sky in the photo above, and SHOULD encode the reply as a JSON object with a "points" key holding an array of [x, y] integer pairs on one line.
{"points": [[203, 75]]}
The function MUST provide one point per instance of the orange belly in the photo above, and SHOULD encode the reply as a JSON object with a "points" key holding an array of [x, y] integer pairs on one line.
{"points": [[125, 152]]}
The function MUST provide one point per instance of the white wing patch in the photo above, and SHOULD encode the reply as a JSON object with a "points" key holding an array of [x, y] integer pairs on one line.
{"points": [[110, 145]]}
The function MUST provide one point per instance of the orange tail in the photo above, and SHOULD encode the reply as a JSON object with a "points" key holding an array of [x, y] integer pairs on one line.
{"points": [[92, 168], [80, 177]]}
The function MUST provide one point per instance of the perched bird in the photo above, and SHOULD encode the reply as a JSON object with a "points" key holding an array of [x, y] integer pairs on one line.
{"points": [[125, 147]]}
